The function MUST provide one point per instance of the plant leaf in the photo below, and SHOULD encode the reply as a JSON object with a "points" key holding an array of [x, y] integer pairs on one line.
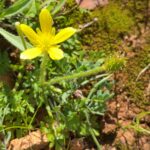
{"points": [[15, 8], [32, 11], [58, 7], [13, 39]]}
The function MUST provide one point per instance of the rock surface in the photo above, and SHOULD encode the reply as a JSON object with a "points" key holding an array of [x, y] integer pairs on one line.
{"points": [[91, 4]]}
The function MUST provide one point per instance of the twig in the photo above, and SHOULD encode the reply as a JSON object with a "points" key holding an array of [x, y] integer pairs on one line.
{"points": [[81, 27], [5, 25], [143, 70]]}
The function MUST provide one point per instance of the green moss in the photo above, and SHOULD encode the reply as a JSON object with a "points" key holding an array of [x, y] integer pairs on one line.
{"points": [[70, 3], [107, 32], [136, 89], [114, 20], [73, 15]]}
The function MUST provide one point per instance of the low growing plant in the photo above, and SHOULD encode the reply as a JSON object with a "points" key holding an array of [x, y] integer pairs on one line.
{"points": [[52, 80]]}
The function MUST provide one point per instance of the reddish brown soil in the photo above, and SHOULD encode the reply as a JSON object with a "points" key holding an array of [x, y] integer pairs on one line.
{"points": [[121, 113]]}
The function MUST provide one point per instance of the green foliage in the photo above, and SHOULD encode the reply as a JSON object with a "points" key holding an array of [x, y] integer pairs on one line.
{"points": [[13, 39], [14, 103], [59, 6], [68, 109], [72, 44], [72, 15], [17, 7], [136, 124], [114, 20], [71, 113], [114, 63], [1, 5]]}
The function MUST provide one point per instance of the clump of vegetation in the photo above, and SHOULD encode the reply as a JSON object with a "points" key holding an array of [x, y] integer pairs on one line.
{"points": [[114, 20], [136, 88], [44, 83], [56, 73]]}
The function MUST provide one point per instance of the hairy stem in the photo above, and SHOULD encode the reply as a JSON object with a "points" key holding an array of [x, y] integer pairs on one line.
{"points": [[42, 80], [76, 75], [17, 24]]}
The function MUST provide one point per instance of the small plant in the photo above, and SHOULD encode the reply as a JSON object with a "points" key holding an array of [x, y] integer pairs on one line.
{"points": [[50, 79]]}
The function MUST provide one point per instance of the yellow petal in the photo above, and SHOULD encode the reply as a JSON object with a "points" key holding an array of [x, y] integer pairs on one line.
{"points": [[39, 32], [64, 34], [46, 21], [55, 53], [31, 53], [30, 34]]}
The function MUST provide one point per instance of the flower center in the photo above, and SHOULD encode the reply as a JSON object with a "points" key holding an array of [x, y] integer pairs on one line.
{"points": [[46, 41]]}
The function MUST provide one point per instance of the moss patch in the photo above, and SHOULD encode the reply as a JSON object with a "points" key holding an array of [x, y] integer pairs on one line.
{"points": [[136, 89]]}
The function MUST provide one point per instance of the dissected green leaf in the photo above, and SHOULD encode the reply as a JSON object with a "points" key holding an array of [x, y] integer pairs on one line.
{"points": [[13, 39]]}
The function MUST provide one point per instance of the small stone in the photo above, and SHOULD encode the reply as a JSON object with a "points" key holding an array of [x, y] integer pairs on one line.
{"points": [[91, 4], [146, 146], [129, 137], [77, 144]]}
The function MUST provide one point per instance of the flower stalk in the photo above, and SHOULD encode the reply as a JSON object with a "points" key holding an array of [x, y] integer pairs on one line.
{"points": [[76, 75], [17, 24], [42, 80], [42, 77], [95, 139]]}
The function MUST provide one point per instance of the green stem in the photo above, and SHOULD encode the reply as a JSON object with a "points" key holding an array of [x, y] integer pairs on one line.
{"points": [[43, 69], [14, 127], [32, 119], [91, 131], [17, 24], [95, 139], [97, 85], [42, 81], [76, 75]]}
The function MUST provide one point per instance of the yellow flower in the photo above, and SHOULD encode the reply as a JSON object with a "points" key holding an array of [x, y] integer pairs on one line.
{"points": [[45, 39]]}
